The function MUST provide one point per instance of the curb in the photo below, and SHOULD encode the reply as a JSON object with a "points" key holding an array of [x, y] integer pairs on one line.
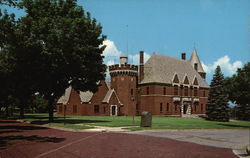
{"points": [[242, 152]]}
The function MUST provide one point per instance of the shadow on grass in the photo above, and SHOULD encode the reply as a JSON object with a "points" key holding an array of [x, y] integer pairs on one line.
{"points": [[8, 121], [34, 116], [16, 127], [68, 121], [235, 126], [5, 140]]}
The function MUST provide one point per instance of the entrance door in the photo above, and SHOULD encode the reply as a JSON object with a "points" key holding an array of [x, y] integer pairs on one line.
{"points": [[185, 109], [113, 110]]}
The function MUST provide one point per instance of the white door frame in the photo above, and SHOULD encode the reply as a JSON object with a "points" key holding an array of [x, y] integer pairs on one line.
{"points": [[116, 110]]}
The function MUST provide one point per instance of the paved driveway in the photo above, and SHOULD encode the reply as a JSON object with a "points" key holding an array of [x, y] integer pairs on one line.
{"points": [[22, 140], [226, 138]]}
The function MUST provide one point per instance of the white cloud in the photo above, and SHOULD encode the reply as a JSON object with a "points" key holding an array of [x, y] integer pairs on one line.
{"points": [[134, 58], [112, 56], [228, 68]]}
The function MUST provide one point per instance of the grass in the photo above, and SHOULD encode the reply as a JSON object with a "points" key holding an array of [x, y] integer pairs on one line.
{"points": [[84, 122]]}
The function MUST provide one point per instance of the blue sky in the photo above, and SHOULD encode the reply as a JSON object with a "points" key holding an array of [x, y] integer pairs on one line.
{"points": [[219, 29]]}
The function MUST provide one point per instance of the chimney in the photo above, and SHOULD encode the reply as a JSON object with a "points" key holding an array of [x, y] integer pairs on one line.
{"points": [[183, 56], [141, 66]]}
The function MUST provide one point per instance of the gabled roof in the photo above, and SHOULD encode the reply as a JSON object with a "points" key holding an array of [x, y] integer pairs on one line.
{"points": [[161, 69], [87, 95], [65, 98], [195, 59], [109, 95]]}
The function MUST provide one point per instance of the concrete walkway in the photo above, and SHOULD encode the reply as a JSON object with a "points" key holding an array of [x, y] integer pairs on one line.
{"points": [[237, 140], [226, 138], [106, 129]]}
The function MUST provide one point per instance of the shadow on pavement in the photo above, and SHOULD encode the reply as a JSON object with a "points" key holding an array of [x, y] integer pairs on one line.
{"points": [[16, 127], [6, 140]]}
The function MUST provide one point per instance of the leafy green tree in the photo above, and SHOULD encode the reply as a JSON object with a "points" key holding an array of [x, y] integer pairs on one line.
{"points": [[238, 90], [9, 2], [67, 43], [217, 106], [38, 104], [17, 63]]}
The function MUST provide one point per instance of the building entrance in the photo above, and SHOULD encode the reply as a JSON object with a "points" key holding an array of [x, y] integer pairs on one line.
{"points": [[113, 110]]}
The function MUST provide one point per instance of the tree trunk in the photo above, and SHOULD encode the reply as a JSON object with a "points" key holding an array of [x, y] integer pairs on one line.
{"points": [[21, 116], [6, 111], [51, 109]]}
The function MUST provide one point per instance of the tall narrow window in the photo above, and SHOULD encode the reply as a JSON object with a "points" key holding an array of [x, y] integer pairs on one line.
{"points": [[132, 91], [167, 107], [186, 91], [137, 107], [96, 108], [74, 108], [60, 108], [201, 107], [104, 109], [175, 90], [204, 93], [160, 107], [195, 107], [164, 91], [195, 91], [175, 107], [147, 90]]}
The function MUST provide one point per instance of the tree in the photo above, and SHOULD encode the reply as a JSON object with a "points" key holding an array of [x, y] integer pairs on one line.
{"points": [[38, 104], [217, 106], [9, 2], [17, 64], [238, 90], [67, 43]]}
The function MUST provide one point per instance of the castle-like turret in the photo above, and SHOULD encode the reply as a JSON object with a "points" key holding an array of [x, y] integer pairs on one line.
{"points": [[195, 62], [123, 80]]}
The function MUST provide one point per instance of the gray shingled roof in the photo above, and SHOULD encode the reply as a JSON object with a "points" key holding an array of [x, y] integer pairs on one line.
{"points": [[86, 96], [65, 98], [108, 95], [161, 69], [195, 59]]}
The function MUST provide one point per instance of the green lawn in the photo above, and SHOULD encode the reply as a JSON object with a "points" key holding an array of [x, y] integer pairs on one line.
{"points": [[80, 122]]}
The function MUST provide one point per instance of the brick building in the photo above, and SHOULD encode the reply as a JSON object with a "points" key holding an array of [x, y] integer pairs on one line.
{"points": [[163, 86]]}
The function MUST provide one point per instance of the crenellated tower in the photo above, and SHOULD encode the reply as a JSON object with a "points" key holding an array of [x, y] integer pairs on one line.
{"points": [[124, 80]]}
